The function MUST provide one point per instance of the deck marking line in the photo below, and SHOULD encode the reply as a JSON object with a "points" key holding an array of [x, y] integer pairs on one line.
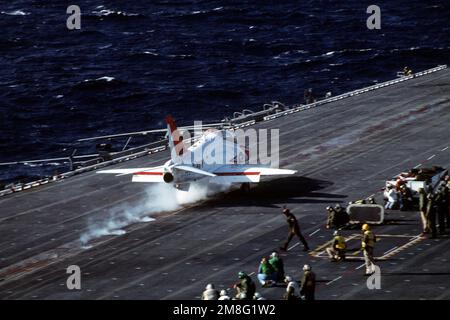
{"points": [[311, 234], [390, 250], [360, 266], [333, 280]]}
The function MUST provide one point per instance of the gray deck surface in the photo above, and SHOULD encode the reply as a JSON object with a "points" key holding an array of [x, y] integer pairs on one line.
{"points": [[343, 151]]}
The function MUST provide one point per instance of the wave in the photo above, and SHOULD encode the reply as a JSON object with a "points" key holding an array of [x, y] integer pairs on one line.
{"points": [[181, 56], [407, 49], [108, 12], [335, 64], [332, 53], [96, 84], [135, 56], [198, 12], [15, 13], [105, 13], [206, 11], [151, 53], [107, 79], [195, 14]]}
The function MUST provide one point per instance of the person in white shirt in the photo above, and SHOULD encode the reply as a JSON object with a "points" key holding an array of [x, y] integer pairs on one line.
{"points": [[258, 296], [210, 293], [224, 295], [292, 289], [392, 197]]}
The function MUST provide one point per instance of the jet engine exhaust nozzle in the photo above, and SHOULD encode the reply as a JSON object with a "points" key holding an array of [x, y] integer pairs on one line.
{"points": [[168, 177]]}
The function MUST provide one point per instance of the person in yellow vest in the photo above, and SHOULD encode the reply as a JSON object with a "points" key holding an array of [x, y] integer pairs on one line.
{"points": [[337, 251], [367, 245], [407, 71]]}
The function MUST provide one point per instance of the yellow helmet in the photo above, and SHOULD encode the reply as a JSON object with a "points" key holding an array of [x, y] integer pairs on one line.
{"points": [[365, 227]]}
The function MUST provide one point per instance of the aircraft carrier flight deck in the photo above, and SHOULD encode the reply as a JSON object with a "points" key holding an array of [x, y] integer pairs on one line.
{"points": [[343, 150]]}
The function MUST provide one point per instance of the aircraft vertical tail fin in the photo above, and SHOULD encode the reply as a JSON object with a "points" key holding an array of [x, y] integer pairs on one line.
{"points": [[176, 144]]}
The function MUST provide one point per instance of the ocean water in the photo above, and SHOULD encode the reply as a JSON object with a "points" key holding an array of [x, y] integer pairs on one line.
{"points": [[132, 63]]}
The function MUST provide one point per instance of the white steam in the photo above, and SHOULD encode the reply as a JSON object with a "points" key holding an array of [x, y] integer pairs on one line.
{"points": [[159, 198]]}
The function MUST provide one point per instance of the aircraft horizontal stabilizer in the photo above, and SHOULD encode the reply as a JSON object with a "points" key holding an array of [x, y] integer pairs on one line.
{"points": [[195, 170], [247, 173]]}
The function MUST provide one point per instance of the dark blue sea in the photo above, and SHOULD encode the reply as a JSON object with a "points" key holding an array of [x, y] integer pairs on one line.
{"points": [[133, 62]]}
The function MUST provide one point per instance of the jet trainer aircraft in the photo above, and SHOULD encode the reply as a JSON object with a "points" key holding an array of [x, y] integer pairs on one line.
{"points": [[195, 163]]}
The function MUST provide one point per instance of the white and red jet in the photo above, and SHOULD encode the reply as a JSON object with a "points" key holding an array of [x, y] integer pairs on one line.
{"points": [[195, 163]]}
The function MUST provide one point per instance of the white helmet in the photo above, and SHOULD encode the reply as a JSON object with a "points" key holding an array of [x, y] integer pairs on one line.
{"points": [[306, 267], [257, 295], [336, 233], [209, 286], [274, 254], [223, 292], [288, 278]]}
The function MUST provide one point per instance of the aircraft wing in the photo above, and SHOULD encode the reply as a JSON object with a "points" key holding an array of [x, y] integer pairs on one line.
{"points": [[247, 173], [154, 174], [121, 172]]}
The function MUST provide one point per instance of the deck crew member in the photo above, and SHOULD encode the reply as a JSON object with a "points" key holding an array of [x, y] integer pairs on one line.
{"points": [[442, 206], [277, 263], [294, 230], [392, 197], [447, 180], [266, 273], [331, 213], [405, 198], [431, 214], [292, 289], [371, 200], [341, 217], [245, 287], [308, 285], [407, 71], [224, 295], [337, 217], [210, 293], [423, 210], [367, 245], [258, 296], [337, 251]]}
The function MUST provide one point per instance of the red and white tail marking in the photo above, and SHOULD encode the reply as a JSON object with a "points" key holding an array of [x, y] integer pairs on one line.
{"points": [[176, 143]]}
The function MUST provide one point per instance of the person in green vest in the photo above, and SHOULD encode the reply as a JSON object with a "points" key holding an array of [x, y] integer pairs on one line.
{"points": [[278, 265], [266, 273]]}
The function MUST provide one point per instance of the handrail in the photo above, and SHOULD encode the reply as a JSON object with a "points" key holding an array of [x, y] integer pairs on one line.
{"points": [[136, 152]]}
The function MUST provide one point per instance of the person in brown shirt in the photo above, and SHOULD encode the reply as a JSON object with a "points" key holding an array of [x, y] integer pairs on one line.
{"points": [[294, 230], [308, 286]]}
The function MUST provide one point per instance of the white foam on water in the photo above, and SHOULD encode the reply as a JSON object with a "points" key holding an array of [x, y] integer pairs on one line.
{"points": [[15, 13]]}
